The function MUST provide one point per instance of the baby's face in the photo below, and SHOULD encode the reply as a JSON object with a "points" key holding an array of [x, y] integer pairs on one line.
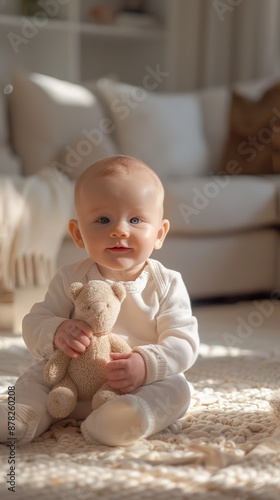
{"points": [[120, 223]]}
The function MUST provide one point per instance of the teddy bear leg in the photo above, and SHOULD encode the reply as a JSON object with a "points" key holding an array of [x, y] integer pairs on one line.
{"points": [[104, 394], [62, 398]]}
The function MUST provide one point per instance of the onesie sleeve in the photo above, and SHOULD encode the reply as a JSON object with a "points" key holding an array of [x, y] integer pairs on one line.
{"points": [[178, 339], [41, 323]]}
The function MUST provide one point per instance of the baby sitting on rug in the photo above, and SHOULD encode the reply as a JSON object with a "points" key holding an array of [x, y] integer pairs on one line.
{"points": [[119, 221]]}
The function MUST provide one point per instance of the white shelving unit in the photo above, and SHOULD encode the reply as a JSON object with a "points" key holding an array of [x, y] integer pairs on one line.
{"points": [[69, 45]]}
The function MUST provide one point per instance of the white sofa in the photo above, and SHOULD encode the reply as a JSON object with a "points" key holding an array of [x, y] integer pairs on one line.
{"points": [[224, 235]]}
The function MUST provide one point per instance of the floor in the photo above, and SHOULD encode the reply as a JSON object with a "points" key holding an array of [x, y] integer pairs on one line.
{"points": [[12, 312], [250, 325]]}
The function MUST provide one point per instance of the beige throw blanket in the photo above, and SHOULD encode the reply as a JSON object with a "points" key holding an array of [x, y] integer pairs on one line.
{"points": [[34, 212]]}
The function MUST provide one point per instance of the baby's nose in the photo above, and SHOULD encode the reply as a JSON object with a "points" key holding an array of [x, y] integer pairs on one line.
{"points": [[120, 231]]}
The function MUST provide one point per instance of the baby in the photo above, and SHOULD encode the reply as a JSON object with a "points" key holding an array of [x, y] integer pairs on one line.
{"points": [[119, 221]]}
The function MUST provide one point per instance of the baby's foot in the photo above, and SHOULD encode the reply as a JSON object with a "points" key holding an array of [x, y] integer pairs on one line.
{"points": [[119, 422], [21, 426]]}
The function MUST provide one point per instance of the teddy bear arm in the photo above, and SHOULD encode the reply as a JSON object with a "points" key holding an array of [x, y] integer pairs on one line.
{"points": [[118, 344], [56, 367]]}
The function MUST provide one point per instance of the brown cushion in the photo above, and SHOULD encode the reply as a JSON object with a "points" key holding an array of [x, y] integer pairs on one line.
{"points": [[253, 144]]}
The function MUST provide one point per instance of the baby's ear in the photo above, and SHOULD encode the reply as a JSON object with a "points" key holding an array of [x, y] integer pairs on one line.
{"points": [[162, 232], [119, 291], [75, 289]]}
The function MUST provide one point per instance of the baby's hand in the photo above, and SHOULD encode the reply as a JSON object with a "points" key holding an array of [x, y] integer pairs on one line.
{"points": [[73, 337], [126, 371]]}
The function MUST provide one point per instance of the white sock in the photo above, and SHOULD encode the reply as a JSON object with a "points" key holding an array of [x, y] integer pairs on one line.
{"points": [[25, 424], [175, 428], [119, 422]]}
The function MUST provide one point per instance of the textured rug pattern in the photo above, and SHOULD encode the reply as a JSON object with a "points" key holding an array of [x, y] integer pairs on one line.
{"points": [[229, 446]]}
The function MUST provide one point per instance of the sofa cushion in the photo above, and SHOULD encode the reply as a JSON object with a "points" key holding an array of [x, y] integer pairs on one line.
{"points": [[220, 204], [253, 142], [47, 114], [10, 164], [215, 105], [225, 265], [164, 130], [74, 158], [254, 89]]}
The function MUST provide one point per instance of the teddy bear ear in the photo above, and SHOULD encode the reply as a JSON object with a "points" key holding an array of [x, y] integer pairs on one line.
{"points": [[75, 289], [119, 291]]}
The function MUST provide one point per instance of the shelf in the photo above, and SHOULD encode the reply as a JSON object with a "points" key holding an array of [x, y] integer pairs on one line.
{"points": [[72, 47], [108, 30], [121, 31], [17, 21]]}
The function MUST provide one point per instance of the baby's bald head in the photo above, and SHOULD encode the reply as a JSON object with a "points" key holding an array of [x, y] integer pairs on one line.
{"points": [[125, 166]]}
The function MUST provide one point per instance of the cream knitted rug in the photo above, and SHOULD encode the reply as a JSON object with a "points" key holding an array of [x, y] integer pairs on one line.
{"points": [[229, 446]]}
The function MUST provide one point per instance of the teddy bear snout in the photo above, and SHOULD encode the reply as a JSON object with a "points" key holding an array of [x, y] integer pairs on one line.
{"points": [[100, 307]]}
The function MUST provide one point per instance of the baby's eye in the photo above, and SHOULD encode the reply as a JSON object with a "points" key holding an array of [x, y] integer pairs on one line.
{"points": [[103, 220], [134, 220]]}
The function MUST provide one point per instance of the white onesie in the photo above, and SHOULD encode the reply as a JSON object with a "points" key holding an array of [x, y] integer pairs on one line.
{"points": [[155, 319]]}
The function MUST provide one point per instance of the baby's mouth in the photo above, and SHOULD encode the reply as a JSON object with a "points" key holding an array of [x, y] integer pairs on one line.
{"points": [[118, 248]]}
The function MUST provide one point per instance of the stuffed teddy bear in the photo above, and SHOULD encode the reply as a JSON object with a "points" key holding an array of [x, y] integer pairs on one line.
{"points": [[98, 303]]}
